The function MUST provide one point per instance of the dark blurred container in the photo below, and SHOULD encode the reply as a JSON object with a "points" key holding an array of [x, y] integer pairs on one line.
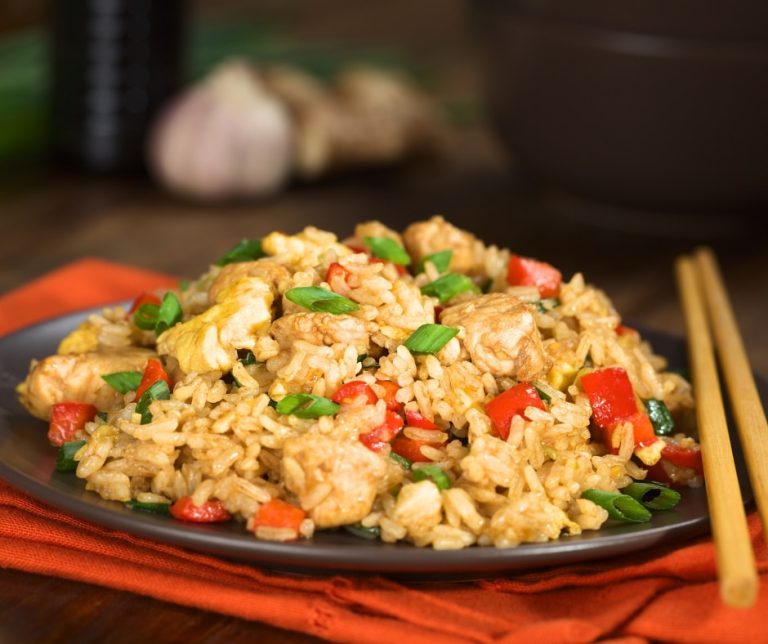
{"points": [[659, 103], [114, 62]]}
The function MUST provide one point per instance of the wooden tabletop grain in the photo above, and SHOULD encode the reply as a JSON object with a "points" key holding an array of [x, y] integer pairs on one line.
{"points": [[50, 217]]}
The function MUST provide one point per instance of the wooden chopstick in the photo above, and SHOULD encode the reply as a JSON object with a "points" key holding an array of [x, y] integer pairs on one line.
{"points": [[745, 399], [735, 560]]}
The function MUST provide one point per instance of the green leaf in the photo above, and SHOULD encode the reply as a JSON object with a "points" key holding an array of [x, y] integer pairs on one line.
{"points": [[620, 507], [146, 316], [361, 531], [430, 338], [388, 249], [433, 473], [306, 406], [661, 419], [123, 381], [441, 260], [157, 391], [247, 250], [319, 299], [65, 456], [169, 314], [652, 495], [152, 508], [400, 460], [448, 286]]}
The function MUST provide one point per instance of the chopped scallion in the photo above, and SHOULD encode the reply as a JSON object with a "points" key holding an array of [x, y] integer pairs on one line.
{"points": [[246, 251], [123, 381], [547, 304], [430, 338], [621, 507], [146, 316], [652, 495], [183, 285], [543, 394], [319, 299], [359, 530], [400, 460], [441, 260], [169, 314], [433, 473], [157, 391], [248, 359], [448, 286], [65, 456], [306, 406], [388, 249], [661, 419], [102, 415], [152, 508]]}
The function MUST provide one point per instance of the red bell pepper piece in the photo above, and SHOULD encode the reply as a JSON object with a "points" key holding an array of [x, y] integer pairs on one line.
{"points": [[513, 402], [212, 511], [153, 372], [145, 298], [524, 271], [67, 418], [610, 394], [279, 514], [338, 278], [621, 329], [354, 392], [642, 429], [390, 391], [410, 448], [377, 438], [415, 419], [683, 456]]}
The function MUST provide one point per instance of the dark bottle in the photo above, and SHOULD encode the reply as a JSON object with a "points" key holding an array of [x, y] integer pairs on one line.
{"points": [[113, 63]]}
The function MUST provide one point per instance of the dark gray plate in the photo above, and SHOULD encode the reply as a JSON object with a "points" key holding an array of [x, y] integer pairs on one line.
{"points": [[27, 461]]}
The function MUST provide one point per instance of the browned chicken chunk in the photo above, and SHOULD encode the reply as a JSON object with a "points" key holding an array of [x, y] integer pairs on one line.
{"points": [[335, 480], [322, 329], [426, 237], [500, 334], [78, 377]]}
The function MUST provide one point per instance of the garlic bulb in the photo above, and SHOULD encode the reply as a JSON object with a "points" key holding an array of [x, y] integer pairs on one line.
{"points": [[226, 137]]}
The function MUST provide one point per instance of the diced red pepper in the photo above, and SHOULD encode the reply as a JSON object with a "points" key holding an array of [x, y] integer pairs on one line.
{"points": [[410, 448], [67, 418], [513, 402], [524, 271], [610, 394], [338, 278], [355, 392], [621, 329], [357, 249], [153, 372], [279, 514], [212, 511], [145, 298], [390, 391], [642, 429], [415, 419], [683, 456], [377, 438]]}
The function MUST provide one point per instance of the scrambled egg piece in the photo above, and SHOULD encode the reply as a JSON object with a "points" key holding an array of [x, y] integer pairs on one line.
{"points": [[83, 339], [209, 341], [304, 250]]}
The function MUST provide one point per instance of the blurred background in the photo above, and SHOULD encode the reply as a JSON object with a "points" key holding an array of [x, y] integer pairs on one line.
{"points": [[604, 137]]}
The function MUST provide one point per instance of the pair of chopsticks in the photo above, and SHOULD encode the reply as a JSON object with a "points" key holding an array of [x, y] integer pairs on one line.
{"points": [[706, 306]]}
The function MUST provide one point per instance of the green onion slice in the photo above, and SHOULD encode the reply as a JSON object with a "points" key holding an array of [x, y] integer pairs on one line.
{"points": [[441, 260], [157, 391], [65, 456], [146, 316], [448, 286], [652, 495], [547, 304], [102, 415], [152, 508], [621, 507], [361, 531], [184, 285], [123, 381], [388, 249], [246, 251], [319, 299], [400, 460], [248, 359], [430, 338], [661, 419], [306, 406], [433, 473], [543, 394], [169, 314]]}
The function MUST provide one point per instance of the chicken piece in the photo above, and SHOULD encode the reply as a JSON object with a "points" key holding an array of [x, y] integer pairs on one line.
{"points": [[376, 229], [78, 377], [322, 329], [426, 237], [209, 341], [335, 480], [500, 334], [271, 272]]}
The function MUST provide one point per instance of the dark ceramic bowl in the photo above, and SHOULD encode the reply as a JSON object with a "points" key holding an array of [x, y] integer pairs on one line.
{"points": [[649, 104]]}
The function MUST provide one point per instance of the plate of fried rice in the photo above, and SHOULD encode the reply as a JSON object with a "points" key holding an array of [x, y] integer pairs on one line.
{"points": [[414, 402]]}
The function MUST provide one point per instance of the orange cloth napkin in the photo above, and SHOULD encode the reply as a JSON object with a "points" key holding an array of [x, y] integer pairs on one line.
{"points": [[668, 593]]}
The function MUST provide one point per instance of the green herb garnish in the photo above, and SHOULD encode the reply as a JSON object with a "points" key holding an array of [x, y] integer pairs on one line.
{"points": [[248, 359], [547, 304], [441, 260], [543, 395], [430, 338], [361, 531], [448, 286], [152, 508], [388, 249], [145, 316], [246, 251], [65, 456], [169, 314], [653, 495], [319, 299], [123, 381], [661, 419], [621, 507], [157, 391], [400, 460], [306, 406], [433, 473]]}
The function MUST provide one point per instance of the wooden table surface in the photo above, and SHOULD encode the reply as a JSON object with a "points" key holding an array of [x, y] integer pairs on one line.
{"points": [[50, 218]]}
